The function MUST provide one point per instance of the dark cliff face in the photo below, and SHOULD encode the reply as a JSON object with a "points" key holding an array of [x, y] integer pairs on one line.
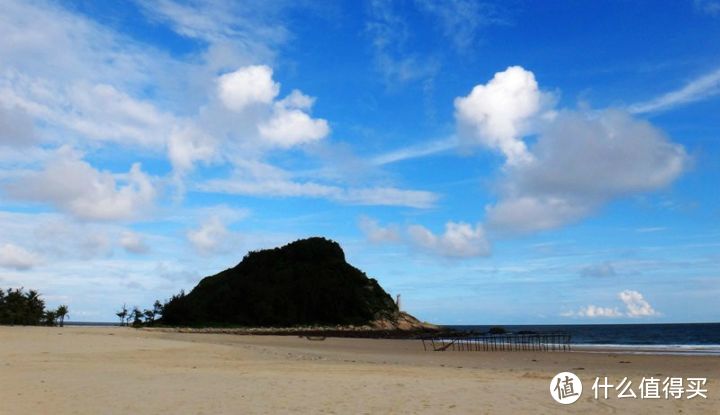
{"points": [[306, 282]]}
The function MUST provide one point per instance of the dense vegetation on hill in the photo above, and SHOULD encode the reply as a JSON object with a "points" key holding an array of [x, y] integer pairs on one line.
{"points": [[19, 307], [307, 282]]}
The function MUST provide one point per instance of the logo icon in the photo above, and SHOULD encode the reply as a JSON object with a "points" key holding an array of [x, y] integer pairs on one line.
{"points": [[565, 388]]}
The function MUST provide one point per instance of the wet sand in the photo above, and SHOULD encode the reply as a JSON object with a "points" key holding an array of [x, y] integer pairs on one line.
{"points": [[92, 370]]}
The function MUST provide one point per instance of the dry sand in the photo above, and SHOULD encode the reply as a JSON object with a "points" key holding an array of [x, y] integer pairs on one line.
{"points": [[95, 370]]}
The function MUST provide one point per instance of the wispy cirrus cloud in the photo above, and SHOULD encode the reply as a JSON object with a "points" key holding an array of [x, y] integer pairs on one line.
{"points": [[416, 151], [256, 178], [602, 270], [391, 35], [235, 33], [710, 7], [462, 20], [700, 88], [378, 196]]}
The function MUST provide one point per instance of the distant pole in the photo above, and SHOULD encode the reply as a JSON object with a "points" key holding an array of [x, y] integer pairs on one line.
{"points": [[397, 301]]}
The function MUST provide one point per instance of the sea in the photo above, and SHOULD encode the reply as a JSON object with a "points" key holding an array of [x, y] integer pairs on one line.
{"points": [[680, 338], [685, 338]]}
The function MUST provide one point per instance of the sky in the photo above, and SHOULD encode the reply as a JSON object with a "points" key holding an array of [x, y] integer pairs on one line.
{"points": [[509, 162]]}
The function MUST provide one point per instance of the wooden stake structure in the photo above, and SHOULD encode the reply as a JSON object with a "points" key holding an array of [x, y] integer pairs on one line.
{"points": [[559, 342]]}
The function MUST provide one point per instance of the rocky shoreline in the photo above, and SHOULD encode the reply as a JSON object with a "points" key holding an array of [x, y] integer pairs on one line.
{"points": [[403, 326]]}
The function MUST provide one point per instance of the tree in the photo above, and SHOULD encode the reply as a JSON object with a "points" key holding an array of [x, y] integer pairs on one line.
{"points": [[157, 308], [50, 318], [122, 314], [35, 308], [152, 314], [62, 312], [137, 316], [149, 316], [20, 307]]}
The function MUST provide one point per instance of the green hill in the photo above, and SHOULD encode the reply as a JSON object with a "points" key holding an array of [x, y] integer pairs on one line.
{"points": [[307, 282]]}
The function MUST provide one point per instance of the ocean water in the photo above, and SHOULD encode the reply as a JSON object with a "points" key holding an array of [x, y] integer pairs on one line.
{"points": [[685, 338], [695, 338]]}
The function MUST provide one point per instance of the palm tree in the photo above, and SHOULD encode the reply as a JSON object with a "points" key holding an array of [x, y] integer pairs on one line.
{"points": [[34, 308], [62, 312], [50, 318]]}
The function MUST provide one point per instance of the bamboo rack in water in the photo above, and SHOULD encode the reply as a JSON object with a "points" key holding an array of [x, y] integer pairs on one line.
{"points": [[499, 342]]}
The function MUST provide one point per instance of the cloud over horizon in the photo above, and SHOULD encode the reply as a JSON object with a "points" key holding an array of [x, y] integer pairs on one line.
{"points": [[636, 306], [579, 162]]}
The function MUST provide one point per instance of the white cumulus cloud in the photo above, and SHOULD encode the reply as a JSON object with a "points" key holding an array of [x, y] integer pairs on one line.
{"points": [[280, 123], [289, 127], [637, 305], [74, 186], [459, 240], [522, 213], [188, 145], [211, 237], [498, 114], [376, 233], [579, 163], [246, 86], [17, 257]]}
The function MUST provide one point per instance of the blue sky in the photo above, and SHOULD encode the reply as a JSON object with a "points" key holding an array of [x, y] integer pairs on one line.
{"points": [[493, 162]]}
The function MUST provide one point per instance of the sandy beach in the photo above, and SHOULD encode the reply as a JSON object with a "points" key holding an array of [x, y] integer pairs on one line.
{"points": [[93, 370]]}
